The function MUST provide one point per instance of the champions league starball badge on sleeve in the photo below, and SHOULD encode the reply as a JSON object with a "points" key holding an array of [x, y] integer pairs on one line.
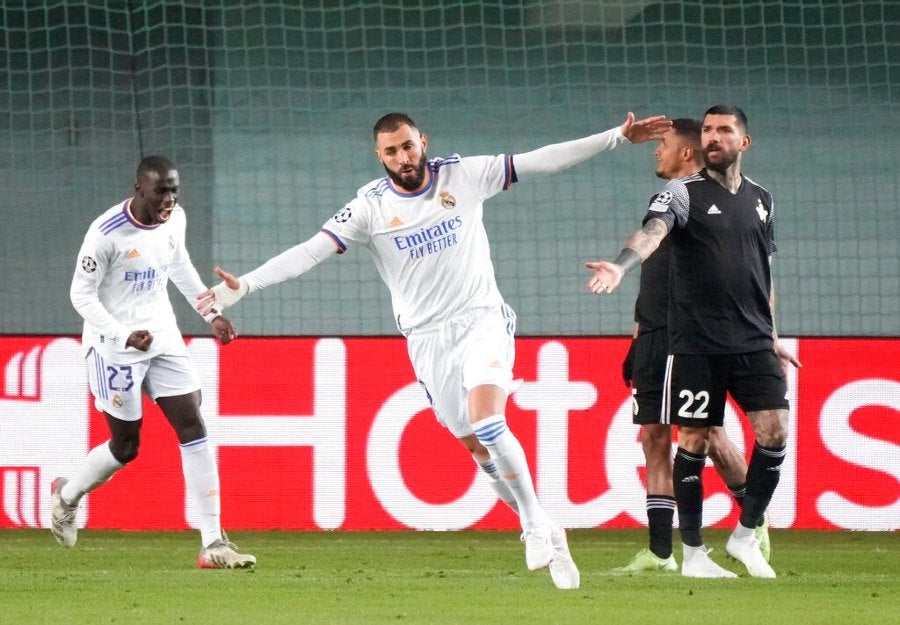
{"points": [[343, 215]]}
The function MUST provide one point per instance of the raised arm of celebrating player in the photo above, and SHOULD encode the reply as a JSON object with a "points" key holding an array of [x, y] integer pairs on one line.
{"points": [[303, 257], [559, 156], [291, 263]]}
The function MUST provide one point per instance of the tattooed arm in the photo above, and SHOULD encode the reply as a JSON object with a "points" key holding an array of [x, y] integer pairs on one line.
{"points": [[607, 275]]}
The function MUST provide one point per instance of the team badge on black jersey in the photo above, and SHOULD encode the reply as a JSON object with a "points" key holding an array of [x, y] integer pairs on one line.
{"points": [[447, 200], [343, 216], [761, 211], [88, 264]]}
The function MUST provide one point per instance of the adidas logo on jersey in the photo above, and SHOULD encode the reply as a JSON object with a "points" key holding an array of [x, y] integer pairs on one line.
{"points": [[713, 210], [133, 253], [395, 222]]}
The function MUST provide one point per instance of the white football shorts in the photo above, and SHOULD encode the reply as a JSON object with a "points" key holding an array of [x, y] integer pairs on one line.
{"points": [[453, 357], [116, 387]]}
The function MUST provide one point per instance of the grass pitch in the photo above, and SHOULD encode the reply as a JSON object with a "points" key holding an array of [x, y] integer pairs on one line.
{"points": [[434, 578]]}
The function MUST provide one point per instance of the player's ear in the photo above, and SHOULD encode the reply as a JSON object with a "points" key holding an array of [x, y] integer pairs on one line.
{"points": [[424, 139], [745, 143]]}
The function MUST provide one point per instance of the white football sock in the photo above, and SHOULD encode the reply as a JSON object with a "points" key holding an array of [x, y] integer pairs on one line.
{"points": [[201, 479], [98, 466], [688, 552], [500, 487], [743, 532], [509, 457]]}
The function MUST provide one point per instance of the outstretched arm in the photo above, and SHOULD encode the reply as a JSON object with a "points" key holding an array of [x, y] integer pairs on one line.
{"points": [[291, 263], [607, 275], [559, 156]]}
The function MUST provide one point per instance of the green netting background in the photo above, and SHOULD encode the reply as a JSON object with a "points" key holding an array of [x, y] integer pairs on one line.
{"points": [[267, 107]]}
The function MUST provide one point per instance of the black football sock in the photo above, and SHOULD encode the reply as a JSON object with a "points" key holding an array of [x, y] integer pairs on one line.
{"points": [[687, 479], [660, 512], [738, 491], [763, 474]]}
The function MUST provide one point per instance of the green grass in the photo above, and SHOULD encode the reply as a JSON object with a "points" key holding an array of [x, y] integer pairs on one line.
{"points": [[434, 578]]}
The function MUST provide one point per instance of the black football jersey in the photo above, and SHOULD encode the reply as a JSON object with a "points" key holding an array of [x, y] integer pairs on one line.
{"points": [[719, 278], [651, 309]]}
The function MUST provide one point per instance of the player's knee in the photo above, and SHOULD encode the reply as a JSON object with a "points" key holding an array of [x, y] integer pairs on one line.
{"points": [[657, 435], [775, 439], [770, 427], [125, 450], [190, 430], [694, 440]]}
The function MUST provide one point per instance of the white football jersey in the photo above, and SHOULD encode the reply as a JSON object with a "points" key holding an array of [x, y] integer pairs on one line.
{"points": [[430, 247], [120, 280]]}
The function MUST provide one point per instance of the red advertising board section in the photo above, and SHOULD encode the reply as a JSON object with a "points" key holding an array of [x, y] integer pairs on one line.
{"points": [[327, 433]]}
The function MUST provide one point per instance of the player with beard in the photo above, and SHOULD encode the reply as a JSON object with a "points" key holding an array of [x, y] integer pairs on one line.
{"points": [[422, 225], [677, 155], [722, 337], [131, 343]]}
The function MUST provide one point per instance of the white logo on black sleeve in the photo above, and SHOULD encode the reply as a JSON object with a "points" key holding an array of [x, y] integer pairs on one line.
{"points": [[88, 264], [343, 216], [660, 203]]}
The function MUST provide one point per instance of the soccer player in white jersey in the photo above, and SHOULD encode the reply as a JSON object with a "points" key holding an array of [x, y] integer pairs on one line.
{"points": [[131, 342], [422, 225]]}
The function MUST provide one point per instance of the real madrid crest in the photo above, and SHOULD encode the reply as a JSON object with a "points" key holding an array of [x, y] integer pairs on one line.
{"points": [[447, 200], [117, 401]]}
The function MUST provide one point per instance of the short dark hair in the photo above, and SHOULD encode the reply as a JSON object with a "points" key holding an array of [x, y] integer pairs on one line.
{"points": [[688, 128], [725, 109], [391, 122], [689, 131], [158, 164]]}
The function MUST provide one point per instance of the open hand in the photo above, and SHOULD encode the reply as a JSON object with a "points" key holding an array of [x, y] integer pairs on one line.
{"points": [[223, 295], [647, 129], [606, 278]]}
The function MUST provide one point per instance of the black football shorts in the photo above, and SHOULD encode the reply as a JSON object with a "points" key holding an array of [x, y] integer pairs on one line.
{"points": [[697, 385], [648, 375]]}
